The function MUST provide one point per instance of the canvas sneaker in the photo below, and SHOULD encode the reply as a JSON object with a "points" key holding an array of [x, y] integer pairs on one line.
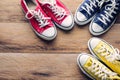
{"points": [[106, 53], [94, 69], [87, 10], [58, 12], [41, 23], [104, 19]]}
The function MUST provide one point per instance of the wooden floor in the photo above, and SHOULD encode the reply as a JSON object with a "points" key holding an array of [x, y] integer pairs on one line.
{"points": [[24, 56]]}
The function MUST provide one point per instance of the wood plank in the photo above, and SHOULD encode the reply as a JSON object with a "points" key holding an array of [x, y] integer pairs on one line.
{"points": [[55, 60], [17, 36], [11, 10], [19, 66], [20, 38]]}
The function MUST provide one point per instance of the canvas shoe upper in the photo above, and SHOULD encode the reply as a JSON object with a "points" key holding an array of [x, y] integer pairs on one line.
{"points": [[87, 10], [41, 23], [94, 68], [105, 18], [106, 53], [60, 15]]}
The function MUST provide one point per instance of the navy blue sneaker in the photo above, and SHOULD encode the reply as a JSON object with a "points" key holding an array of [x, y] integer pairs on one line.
{"points": [[87, 10], [105, 18]]}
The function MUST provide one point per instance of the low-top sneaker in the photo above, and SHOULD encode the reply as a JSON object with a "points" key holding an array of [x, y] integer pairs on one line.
{"points": [[58, 12], [41, 23], [87, 10], [106, 53], [104, 19], [94, 69]]}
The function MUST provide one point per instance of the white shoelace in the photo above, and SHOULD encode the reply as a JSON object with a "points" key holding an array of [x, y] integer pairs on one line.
{"points": [[110, 56], [100, 71], [59, 12], [109, 10], [89, 7], [43, 21]]}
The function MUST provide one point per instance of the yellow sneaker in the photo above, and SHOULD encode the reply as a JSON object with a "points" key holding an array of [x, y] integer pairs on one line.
{"points": [[94, 68], [106, 53]]}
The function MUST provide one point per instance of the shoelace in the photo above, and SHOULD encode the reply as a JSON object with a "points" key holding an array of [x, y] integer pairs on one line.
{"points": [[89, 7], [100, 71], [43, 21], [59, 12], [109, 10], [110, 56]]}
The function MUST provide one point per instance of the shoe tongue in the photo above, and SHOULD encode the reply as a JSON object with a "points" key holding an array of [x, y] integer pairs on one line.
{"points": [[52, 2], [37, 8], [89, 63]]}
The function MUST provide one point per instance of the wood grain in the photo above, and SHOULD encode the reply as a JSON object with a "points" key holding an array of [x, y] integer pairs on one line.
{"points": [[54, 60], [39, 67], [17, 36]]}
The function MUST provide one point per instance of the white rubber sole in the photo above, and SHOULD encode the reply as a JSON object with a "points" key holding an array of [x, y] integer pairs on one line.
{"points": [[40, 35], [99, 33], [45, 37], [65, 28], [80, 66], [81, 22]]}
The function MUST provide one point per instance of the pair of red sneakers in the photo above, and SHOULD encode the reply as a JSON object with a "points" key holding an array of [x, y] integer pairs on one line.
{"points": [[42, 14]]}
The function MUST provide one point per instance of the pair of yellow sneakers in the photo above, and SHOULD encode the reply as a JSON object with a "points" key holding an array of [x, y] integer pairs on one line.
{"points": [[105, 62]]}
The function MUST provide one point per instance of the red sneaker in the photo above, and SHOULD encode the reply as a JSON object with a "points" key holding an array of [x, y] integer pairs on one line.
{"points": [[41, 23], [60, 15]]}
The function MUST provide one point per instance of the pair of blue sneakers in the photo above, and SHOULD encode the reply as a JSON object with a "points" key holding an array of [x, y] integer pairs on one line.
{"points": [[101, 13]]}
